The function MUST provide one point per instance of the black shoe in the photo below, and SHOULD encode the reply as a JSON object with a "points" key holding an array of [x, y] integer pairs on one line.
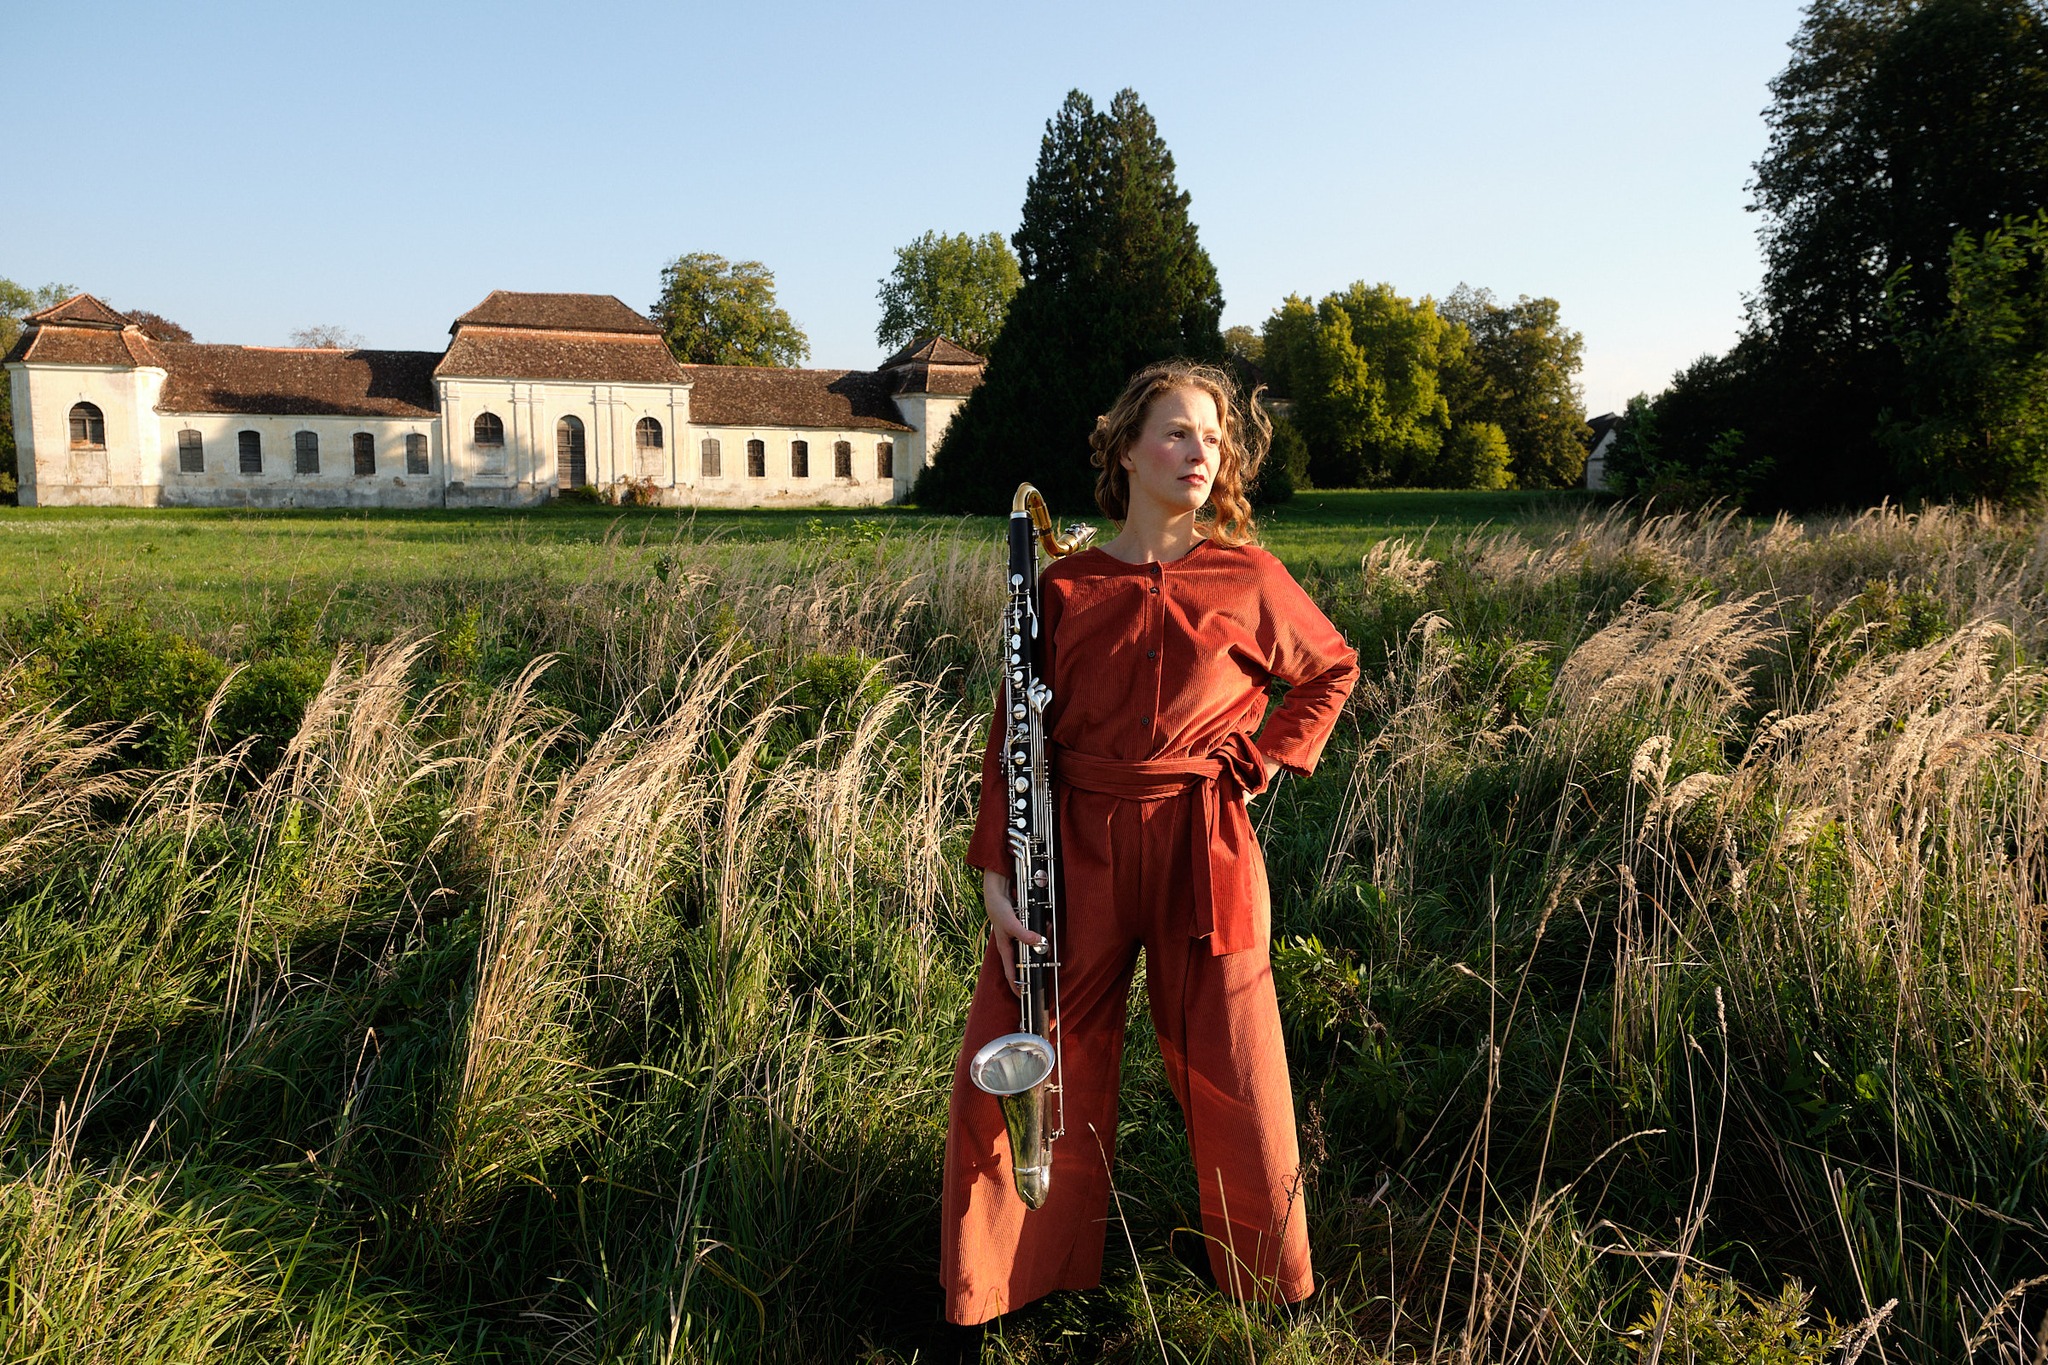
{"points": [[951, 1344], [1191, 1249]]}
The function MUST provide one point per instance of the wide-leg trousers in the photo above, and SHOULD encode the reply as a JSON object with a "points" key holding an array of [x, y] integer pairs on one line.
{"points": [[1128, 884]]}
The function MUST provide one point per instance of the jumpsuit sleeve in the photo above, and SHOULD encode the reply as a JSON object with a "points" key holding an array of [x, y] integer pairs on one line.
{"points": [[1308, 653]]}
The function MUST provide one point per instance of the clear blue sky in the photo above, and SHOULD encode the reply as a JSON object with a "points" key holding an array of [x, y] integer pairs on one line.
{"points": [[249, 169]]}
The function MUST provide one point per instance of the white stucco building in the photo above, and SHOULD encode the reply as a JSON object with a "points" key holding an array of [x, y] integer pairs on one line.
{"points": [[1605, 428], [535, 393]]}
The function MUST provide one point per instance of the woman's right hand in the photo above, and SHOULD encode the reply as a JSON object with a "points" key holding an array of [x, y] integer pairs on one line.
{"points": [[1007, 930]]}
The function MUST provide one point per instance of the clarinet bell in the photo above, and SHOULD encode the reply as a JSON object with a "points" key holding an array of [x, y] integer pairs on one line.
{"points": [[1011, 1064], [1016, 1069]]}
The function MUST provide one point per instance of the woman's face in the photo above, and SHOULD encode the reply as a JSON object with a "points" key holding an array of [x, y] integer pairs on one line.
{"points": [[1173, 462]]}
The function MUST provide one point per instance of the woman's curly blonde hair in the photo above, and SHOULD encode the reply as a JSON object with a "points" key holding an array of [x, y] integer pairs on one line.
{"points": [[1246, 435]]}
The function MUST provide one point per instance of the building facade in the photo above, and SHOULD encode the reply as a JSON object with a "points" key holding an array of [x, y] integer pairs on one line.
{"points": [[1605, 427], [535, 394]]}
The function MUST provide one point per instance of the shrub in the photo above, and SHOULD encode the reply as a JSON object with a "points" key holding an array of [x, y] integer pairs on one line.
{"points": [[634, 493], [109, 664], [824, 683], [266, 701], [1714, 1323], [1286, 469], [1475, 456]]}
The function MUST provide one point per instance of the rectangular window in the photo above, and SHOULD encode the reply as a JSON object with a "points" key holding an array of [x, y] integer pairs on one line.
{"points": [[366, 455], [249, 445], [842, 459], [799, 459], [191, 452], [306, 452], [757, 459], [885, 459], [710, 458], [416, 454]]}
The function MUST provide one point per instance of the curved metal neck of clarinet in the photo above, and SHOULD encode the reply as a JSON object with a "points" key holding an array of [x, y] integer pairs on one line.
{"points": [[1031, 502]]}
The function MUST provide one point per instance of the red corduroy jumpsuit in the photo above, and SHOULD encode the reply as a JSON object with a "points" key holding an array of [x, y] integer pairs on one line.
{"points": [[1151, 666]]}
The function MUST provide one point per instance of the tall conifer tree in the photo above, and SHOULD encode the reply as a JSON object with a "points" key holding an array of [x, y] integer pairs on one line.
{"points": [[1114, 278]]}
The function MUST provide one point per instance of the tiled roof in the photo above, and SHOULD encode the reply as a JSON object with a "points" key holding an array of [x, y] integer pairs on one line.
{"points": [[565, 312], [933, 364], [580, 357], [83, 310], [63, 344], [934, 350], [941, 379], [761, 396], [298, 382]]}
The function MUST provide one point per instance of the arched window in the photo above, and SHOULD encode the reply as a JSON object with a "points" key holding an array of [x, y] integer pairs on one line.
{"points": [[416, 453], [306, 452], [647, 434], [842, 459], [191, 452], [708, 458], [88, 427], [885, 459], [249, 450], [366, 455], [490, 430], [757, 459], [799, 459], [569, 469]]}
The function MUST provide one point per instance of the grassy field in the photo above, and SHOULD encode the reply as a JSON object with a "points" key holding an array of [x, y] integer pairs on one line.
{"points": [[208, 568], [544, 938]]}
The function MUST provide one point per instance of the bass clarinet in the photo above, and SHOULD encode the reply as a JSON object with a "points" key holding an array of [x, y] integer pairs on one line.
{"points": [[1023, 1068]]}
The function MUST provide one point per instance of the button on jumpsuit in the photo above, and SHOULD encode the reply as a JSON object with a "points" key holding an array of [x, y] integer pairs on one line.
{"points": [[1159, 676]]}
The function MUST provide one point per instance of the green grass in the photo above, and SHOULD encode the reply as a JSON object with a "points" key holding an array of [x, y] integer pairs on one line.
{"points": [[1659, 946], [204, 568], [1336, 527]]}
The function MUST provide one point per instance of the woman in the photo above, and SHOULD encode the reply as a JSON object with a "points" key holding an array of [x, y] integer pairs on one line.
{"points": [[1159, 647]]}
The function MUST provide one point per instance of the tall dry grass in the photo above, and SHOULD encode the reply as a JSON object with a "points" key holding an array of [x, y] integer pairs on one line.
{"points": [[1666, 920], [1793, 857]]}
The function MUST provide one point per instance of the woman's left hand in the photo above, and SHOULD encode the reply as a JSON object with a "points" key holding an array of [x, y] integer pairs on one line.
{"points": [[1272, 771]]}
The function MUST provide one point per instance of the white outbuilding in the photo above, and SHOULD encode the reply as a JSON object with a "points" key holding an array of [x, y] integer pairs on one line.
{"points": [[535, 394]]}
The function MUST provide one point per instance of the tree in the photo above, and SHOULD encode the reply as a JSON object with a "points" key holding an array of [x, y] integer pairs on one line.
{"points": [[1244, 345], [1518, 371], [1361, 367], [957, 287], [325, 336], [17, 302], [1896, 125], [1632, 459], [718, 312], [1696, 441], [1244, 353], [1115, 278], [1285, 342], [1977, 378], [1286, 469], [1476, 455], [157, 327]]}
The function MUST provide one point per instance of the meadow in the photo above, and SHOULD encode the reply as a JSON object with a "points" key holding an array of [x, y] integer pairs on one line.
{"points": [[545, 938]]}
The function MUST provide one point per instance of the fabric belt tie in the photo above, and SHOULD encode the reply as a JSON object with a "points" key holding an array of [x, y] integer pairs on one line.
{"points": [[1221, 853]]}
